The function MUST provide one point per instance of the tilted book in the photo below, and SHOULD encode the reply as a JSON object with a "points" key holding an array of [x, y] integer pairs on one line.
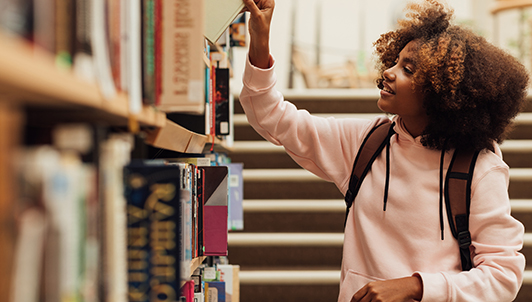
{"points": [[219, 14]]}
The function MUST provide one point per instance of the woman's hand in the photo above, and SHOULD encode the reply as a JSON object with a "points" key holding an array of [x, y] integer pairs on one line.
{"points": [[394, 290], [259, 31]]}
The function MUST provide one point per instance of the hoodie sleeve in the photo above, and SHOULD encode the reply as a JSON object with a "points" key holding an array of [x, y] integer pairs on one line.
{"points": [[497, 239], [323, 146]]}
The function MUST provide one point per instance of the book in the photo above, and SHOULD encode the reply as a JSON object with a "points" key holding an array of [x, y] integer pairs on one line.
{"points": [[216, 290], [237, 31], [219, 15], [83, 64], [182, 66], [16, 17], [64, 32], [44, 33], [29, 255], [187, 291], [154, 222], [221, 101], [236, 197], [227, 275], [114, 155], [134, 55], [148, 51], [115, 47], [215, 210], [100, 49]]}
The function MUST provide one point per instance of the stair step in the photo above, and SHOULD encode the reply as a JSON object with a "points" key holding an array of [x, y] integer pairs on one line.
{"points": [[308, 277], [283, 175], [334, 205], [290, 277], [517, 146], [285, 239], [524, 118], [302, 239]]}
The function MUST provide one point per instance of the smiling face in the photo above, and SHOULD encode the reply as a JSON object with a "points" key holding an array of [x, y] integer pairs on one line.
{"points": [[399, 95]]}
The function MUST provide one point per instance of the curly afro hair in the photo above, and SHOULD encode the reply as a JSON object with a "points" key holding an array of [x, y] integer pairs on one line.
{"points": [[472, 89]]}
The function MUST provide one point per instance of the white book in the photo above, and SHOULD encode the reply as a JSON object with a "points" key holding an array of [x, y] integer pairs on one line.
{"points": [[219, 14]]}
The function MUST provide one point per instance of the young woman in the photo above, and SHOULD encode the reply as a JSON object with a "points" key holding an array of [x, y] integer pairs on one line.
{"points": [[446, 88]]}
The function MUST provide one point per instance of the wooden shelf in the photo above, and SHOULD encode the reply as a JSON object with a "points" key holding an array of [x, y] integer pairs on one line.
{"points": [[29, 77], [195, 263]]}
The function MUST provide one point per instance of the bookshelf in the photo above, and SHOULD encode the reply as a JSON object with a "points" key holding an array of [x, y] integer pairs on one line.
{"points": [[29, 79], [36, 93]]}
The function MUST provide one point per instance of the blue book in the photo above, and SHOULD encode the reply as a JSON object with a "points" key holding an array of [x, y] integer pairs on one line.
{"points": [[154, 225]]}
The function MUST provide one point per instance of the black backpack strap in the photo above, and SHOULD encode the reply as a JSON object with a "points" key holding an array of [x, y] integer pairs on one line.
{"points": [[371, 147], [458, 200]]}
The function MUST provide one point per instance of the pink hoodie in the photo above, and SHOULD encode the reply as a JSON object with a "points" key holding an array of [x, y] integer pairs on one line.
{"points": [[405, 239]]}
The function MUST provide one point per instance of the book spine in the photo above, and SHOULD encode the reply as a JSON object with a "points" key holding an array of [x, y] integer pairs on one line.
{"points": [[115, 41], [153, 232], [158, 50], [183, 65], [222, 101], [148, 51], [64, 29]]}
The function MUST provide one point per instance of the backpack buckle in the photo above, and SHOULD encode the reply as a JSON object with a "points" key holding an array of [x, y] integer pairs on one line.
{"points": [[464, 239]]}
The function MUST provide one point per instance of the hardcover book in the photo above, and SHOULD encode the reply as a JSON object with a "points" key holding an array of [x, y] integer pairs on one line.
{"points": [[221, 101], [236, 197], [182, 66], [215, 210], [153, 207], [219, 14]]}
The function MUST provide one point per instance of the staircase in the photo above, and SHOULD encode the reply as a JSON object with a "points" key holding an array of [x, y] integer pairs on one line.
{"points": [[291, 246]]}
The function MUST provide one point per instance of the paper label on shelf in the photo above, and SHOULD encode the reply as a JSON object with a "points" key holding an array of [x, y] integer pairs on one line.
{"points": [[195, 91]]}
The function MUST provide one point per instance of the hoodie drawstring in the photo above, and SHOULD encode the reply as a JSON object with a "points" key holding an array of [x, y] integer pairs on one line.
{"points": [[441, 191], [387, 184]]}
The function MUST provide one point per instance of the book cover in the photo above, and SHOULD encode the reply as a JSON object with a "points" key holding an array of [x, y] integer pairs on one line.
{"points": [[187, 291], [219, 15], [216, 291], [221, 101], [182, 67], [227, 275], [152, 193], [237, 31], [215, 210]]}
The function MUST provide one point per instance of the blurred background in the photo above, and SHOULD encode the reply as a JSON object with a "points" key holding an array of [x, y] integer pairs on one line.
{"points": [[328, 44], [291, 246]]}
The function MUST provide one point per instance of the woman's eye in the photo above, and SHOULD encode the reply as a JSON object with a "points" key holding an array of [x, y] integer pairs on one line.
{"points": [[408, 70]]}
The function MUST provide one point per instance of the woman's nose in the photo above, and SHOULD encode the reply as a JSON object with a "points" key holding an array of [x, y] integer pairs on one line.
{"points": [[388, 74]]}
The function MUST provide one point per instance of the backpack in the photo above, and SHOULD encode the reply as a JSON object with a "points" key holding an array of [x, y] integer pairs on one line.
{"points": [[457, 184]]}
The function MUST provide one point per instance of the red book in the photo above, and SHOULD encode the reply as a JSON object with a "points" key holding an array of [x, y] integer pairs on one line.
{"points": [[215, 210]]}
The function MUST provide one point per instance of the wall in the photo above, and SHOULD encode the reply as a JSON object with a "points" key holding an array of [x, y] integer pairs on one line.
{"points": [[349, 27]]}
